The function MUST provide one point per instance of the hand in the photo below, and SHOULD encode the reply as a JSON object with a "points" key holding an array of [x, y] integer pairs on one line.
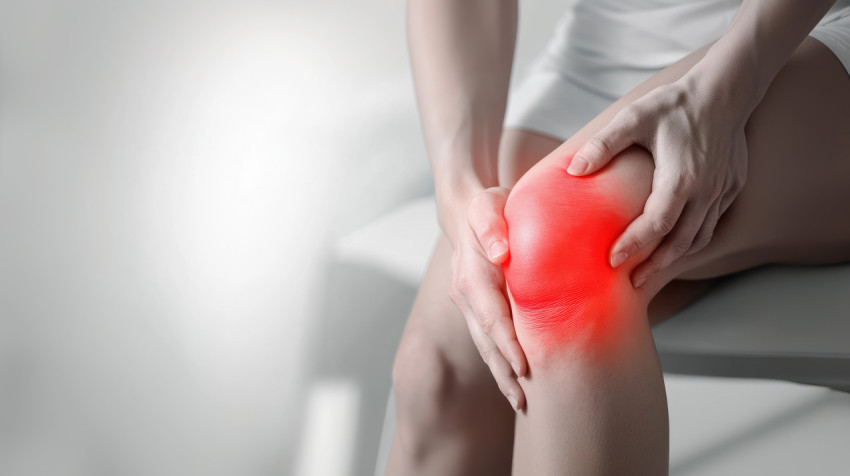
{"points": [[478, 289], [700, 154]]}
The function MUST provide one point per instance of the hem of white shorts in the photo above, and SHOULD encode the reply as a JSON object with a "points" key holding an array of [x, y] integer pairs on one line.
{"points": [[550, 104], [833, 41]]}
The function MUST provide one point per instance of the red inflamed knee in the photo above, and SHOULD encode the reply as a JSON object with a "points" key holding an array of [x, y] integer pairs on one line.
{"points": [[560, 232]]}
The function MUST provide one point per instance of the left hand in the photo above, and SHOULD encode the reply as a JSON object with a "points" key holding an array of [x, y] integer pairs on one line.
{"points": [[700, 152]]}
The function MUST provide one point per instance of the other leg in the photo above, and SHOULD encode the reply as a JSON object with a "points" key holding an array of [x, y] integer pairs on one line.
{"points": [[593, 411], [451, 416]]}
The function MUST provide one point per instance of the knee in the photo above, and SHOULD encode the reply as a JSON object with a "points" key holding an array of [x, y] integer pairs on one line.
{"points": [[560, 231], [420, 373], [423, 383]]}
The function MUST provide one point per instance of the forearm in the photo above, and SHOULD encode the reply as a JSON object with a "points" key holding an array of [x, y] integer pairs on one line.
{"points": [[461, 54], [738, 68]]}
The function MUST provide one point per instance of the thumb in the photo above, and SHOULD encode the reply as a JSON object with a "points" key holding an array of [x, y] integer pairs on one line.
{"points": [[615, 137], [485, 216]]}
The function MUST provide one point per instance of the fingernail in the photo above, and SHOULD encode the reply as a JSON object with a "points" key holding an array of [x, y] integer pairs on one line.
{"points": [[639, 281], [514, 402], [497, 249], [618, 258], [577, 166]]}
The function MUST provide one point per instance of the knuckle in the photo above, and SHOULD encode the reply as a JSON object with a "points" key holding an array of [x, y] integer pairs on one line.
{"points": [[681, 184], [636, 243], [478, 201], [639, 238], [628, 117], [702, 241], [488, 324], [662, 225], [711, 219], [687, 184], [463, 283], [601, 145], [678, 248], [458, 287], [486, 353], [455, 294], [478, 207], [680, 96], [496, 195], [738, 181], [487, 228], [725, 203], [662, 261], [738, 185], [675, 96], [734, 184], [679, 189], [716, 189]]}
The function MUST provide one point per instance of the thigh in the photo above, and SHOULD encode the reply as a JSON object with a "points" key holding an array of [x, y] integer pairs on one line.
{"points": [[796, 203], [519, 150]]}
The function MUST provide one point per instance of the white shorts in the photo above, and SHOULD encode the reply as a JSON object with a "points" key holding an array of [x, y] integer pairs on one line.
{"points": [[603, 48]]}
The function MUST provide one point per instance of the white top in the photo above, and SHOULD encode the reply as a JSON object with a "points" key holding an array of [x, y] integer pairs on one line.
{"points": [[619, 43]]}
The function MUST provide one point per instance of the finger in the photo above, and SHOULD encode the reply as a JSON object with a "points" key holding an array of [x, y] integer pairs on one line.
{"points": [[706, 231], [493, 358], [616, 136], [729, 196], [674, 246], [492, 311], [663, 208], [728, 199], [499, 367], [485, 216]]}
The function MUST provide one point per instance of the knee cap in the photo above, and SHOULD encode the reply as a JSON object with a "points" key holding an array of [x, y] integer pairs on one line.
{"points": [[560, 231]]}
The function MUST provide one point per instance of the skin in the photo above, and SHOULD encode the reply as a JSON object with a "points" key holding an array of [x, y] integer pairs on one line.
{"points": [[564, 293], [595, 395], [694, 129], [450, 420]]}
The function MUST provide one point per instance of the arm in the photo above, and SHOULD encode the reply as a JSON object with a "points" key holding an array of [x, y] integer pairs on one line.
{"points": [[461, 53], [694, 128], [756, 46]]}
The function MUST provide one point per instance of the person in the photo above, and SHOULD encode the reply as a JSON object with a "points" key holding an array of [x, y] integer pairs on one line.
{"points": [[717, 132]]}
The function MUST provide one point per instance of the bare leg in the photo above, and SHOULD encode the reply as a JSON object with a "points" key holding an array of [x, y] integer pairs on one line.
{"points": [[595, 400], [438, 373], [595, 396], [451, 417]]}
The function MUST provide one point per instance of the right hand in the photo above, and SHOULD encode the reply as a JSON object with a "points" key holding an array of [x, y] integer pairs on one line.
{"points": [[479, 291]]}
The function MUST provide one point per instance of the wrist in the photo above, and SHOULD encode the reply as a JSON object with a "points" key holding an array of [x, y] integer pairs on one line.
{"points": [[453, 192], [728, 79]]}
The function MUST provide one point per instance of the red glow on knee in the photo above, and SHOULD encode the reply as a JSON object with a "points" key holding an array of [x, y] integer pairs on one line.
{"points": [[560, 230]]}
